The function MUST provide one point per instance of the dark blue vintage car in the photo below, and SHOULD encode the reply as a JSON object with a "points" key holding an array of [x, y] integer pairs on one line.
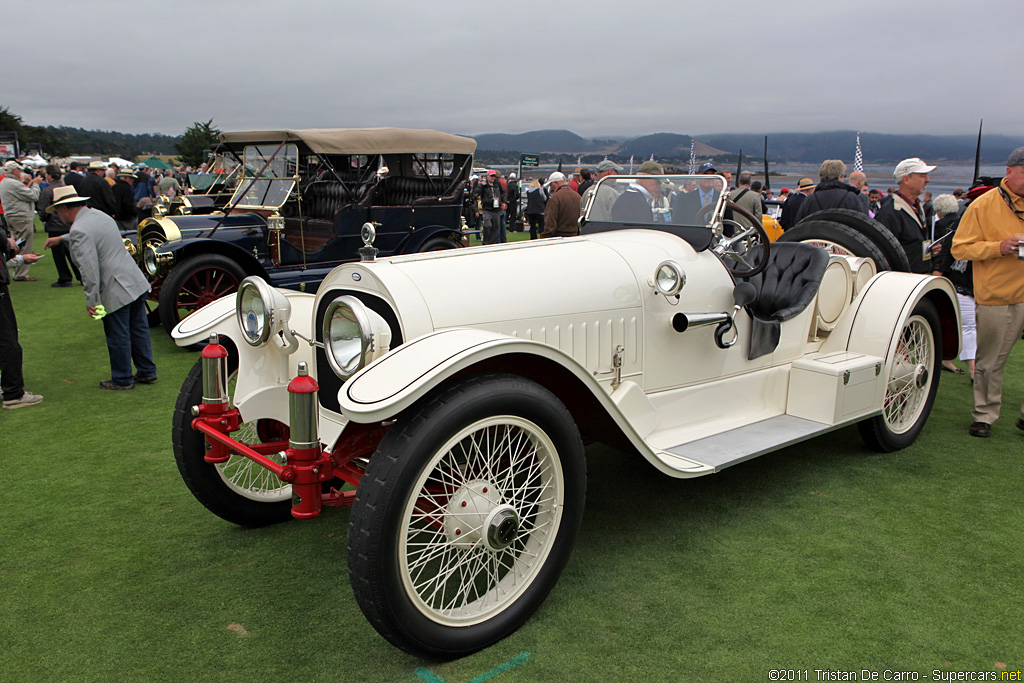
{"points": [[298, 209]]}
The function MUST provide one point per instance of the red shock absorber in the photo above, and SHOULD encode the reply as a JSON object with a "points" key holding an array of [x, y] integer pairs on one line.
{"points": [[215, 410], [308, 465]]}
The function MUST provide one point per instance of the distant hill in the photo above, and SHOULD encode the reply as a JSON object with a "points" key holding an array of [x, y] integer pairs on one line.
{"points": [[81, 142], [674, 148]]}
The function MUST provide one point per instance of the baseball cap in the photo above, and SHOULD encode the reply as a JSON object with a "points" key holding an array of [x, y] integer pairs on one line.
{"points": [[705, 167], [912, 165], [650, 168], [556, 177], [608, 165]]}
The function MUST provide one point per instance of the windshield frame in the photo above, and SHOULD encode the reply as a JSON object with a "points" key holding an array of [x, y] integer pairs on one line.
{"points": [[593, 211], [264, 182]]}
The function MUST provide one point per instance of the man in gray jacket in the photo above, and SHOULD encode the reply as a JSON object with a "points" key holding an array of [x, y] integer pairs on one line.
{"points": [[19, 202], [115, 289]]}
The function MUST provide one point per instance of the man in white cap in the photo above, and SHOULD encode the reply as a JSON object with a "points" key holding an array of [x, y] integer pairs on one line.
{"points": [[115, 289], [601, 210], [903, 214], [991, 235], [19, 202], [562, 212]]}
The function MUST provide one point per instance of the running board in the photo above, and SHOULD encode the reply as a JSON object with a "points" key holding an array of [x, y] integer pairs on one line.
{"points": [[743, 443]]}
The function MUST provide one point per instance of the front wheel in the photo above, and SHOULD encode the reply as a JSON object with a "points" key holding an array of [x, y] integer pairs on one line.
{"points": [[911, 383], [194, 283], [467, 515], [238, 490]]}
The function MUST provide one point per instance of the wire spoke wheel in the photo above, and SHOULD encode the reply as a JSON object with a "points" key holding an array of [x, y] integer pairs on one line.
{"points": [[245, 477], [466, 515], [483, 520], [908, 384]]}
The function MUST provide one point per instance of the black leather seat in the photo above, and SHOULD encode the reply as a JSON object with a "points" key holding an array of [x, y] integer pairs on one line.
{"points": [[784, 289]]}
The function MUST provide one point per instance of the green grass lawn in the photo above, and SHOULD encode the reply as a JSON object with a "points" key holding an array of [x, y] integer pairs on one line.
{"points": [[821, 556]]}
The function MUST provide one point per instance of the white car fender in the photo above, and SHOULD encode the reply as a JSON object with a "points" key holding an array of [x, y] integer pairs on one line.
{"points": [[261, 388], [872, 323]]}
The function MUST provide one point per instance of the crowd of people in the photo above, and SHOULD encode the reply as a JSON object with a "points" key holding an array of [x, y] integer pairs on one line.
{"points": [[83, 211], [975, 239]]}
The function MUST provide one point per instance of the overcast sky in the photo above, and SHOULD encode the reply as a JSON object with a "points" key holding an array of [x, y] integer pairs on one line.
{"points": [[596, 68]]}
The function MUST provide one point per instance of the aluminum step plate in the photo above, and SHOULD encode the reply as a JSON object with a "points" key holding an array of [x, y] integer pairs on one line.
{"points": [[736, 445]]}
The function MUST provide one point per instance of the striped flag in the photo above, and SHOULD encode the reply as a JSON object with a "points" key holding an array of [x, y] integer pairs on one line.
{"points": [[693, 159], [630, 164], [858, 157]]}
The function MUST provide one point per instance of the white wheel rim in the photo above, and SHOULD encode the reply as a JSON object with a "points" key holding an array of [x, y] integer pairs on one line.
{"points": [[242, 475], [831, 247], [502, 467], [910, 375]]}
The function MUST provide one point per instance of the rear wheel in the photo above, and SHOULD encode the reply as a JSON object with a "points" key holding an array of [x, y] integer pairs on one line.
{"points": [[439, 244], [836, 239], [194, 283], [466, 515], [911, 383]]}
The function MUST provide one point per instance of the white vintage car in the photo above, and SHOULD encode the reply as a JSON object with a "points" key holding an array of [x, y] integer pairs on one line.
{"points": [[447, 396]]}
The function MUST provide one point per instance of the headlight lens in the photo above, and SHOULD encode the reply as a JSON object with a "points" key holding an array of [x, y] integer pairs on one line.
{"points": [[669, 278], [353, 336], [149, 260], [254, 309]]}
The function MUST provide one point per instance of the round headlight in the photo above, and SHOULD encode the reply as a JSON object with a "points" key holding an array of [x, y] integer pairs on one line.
{"points": [[149, 260], [255, 306], [353, 335], [669, 278]]}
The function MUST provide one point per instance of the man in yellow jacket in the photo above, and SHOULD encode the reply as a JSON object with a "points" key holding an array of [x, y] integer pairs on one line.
{"points": [[991, 234]]}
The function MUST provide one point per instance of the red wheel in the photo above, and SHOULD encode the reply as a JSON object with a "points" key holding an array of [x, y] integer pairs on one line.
{"points": [[195, 283]]}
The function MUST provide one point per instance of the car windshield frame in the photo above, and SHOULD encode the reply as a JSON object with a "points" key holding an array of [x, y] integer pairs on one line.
{"points": [[268, 177], [599, 202]]}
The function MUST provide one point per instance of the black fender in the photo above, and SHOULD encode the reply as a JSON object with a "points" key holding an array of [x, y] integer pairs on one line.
{"points": [[414, 242]]}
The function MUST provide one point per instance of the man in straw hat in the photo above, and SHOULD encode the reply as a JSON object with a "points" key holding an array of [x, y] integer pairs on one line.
{"points": [[96, 189], [115, 289], [124, 200], [787, 219]]}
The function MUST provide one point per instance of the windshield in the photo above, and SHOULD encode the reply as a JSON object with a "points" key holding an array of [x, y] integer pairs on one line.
{"points": [[268, 176], [654, 200], [220, 176]]}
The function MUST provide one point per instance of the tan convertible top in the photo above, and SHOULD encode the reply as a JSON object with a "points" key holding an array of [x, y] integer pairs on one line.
{"points": [[361, 140]]}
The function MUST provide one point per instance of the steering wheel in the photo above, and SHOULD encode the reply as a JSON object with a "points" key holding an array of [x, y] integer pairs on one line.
{"points": [[739, 249]]}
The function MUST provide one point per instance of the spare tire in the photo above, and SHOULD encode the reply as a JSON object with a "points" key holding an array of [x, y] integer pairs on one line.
{"points": [[870, 228], [836, 239]]}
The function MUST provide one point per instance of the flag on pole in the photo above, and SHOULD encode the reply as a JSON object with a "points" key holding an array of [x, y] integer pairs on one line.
{"points": [[693, 159], [630, 164], [858, 157]]}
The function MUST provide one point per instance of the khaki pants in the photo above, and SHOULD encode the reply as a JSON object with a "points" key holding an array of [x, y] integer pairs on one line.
{"points": [[999, 328], [22, 228]]}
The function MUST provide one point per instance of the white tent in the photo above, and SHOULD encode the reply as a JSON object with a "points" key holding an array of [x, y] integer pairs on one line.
{"points": [[119, 161], [34, 160]]}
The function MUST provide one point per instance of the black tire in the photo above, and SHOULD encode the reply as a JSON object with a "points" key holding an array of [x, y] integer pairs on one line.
{"points": [[406, 525], [912, 380], [194, 283], [870, 228], [268, 499], [835, 238], [439, 244]]}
